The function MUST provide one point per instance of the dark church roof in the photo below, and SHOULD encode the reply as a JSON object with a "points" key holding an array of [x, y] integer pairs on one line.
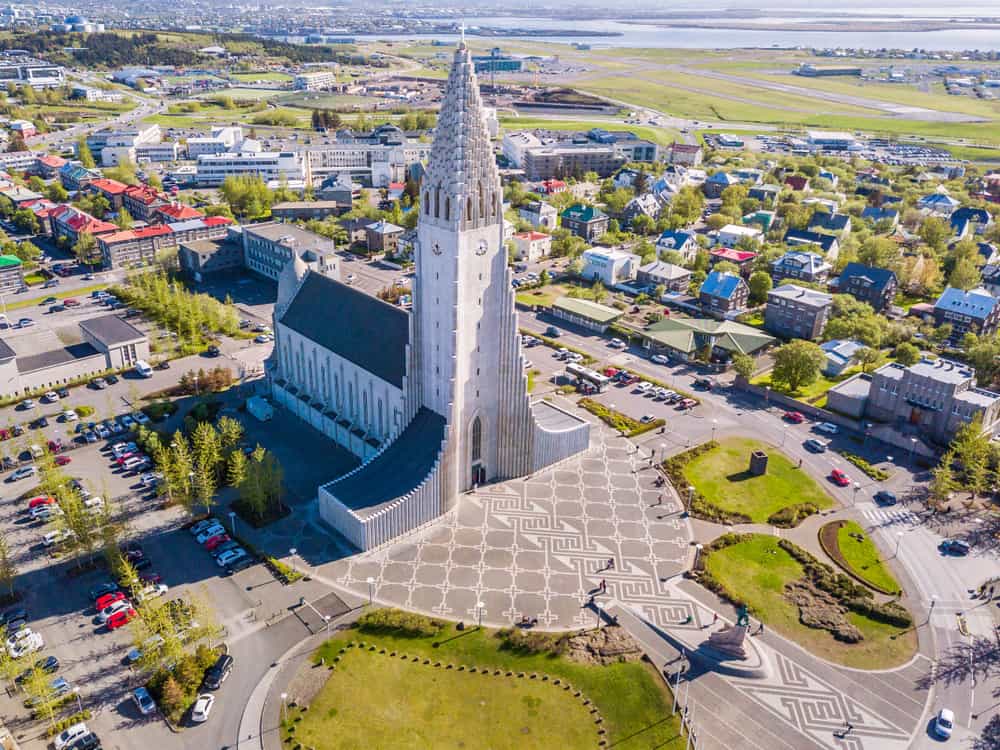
{"points": [[398, 470], [359, 327]]}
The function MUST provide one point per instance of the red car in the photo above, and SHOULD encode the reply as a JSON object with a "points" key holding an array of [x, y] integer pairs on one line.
{"points": [[41, 500], [55, 446], [795, 417], [108, 599], [125, 457], [62, 460], [839, 478], [213, 542], [120, 618]]}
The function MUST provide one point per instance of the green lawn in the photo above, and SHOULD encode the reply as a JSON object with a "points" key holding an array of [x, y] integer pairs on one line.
{"points": [[815, 392], [543, 296], [78, 293], [863, 557], [373, 700], [721, 476], [269, 75], [387, 703], [757, 570], [662, 136]]}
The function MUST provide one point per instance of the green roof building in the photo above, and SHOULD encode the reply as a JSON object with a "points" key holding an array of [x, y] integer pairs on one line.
{"points": [[11, 274], [682, 338], [588, 222], [584, 313]]}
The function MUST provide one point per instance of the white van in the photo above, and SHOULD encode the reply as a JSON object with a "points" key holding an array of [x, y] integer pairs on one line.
{"points": [[143, 369], [36, 451]]}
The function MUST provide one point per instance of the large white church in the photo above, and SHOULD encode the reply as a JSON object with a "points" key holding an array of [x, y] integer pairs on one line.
{"points": [[433, 402]]}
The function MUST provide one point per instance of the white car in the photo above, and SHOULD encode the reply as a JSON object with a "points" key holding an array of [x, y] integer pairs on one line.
{"points": [[230, 556], [644, 387], [70, 416], [70, 735], [120, 606], [202, 525], [30, 645], [660, 359], [151, 479], [45, 512], [152, 592], [50, 397], [616, 344], [56, 537], [135, 463], [19, 635], [828, 427], [28, 404], [140, 417], [944, 723], [209, 532], [202, 708]]}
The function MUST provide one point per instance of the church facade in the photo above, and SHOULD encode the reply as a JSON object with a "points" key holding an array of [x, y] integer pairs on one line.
{"points": [[434, 402]]}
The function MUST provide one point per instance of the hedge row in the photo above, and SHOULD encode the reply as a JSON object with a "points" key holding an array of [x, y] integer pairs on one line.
{"points": [[621, 422], [793, 515], [699, 507], [66, 723], [872, 471], [829, 541], [398, 623]]}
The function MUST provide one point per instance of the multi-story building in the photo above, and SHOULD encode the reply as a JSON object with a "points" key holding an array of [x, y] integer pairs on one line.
{"points": [[532, 246], [69, 223], [115, 144], [732, 235], [931, 399], [213, 169], [75, 176], [723, 294], [610, 266], [588, 222], [17, 161], [94, 94], [516, 144], [141, 201], [268, 247], [671, 277], [315, 80], [204, 258], [976, 311], [28, 71], [223, 139], [802, 266], [112, 191], [138, 247], [373, 162], [496, 62], [566, 159], [795, 312], [539, 214], [687, 155], [158, 152], [876, 286], [11, 274]]}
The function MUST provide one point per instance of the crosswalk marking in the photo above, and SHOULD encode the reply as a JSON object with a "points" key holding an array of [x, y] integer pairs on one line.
{"points": [[886, 516]]}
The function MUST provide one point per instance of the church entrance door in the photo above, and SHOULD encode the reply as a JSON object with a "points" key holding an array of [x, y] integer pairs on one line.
{"points": [[478, 474]]}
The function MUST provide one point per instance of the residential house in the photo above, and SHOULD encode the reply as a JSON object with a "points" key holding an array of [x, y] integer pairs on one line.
{"points": [[762, 218], [723, 294], [966, 221], [743, 259], [47, 166], [176, 211], [585, 313], [685, 154], [748, 176], [552, 187], [827, 242], [340, 188], [732, 235], [610, 266], [112, 191], [641, 205], [74, 176], [11, 274], [876, 286], [841, 355], [540, 215], [716, 183], [141, 201], [131, 248], [938, 203], [69, 223], [766, 194], [357, 229], [877, 215], [836, 224], [382, 237], [685, 243], [671, 277], [976, 311], [991, 278], [796, 312], [532, 246], [306, 210], [587, 222], [684, 338], [830, 177], [801, 265], [797, 182]]}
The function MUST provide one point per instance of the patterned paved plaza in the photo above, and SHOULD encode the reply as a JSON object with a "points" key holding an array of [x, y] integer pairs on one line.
{"points": [[538, 547]]}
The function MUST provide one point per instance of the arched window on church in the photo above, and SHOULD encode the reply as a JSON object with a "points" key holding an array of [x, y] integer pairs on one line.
{"points": [[437, 202], [427, 203], [364, 407], [381, 422], [482, 208], [477, 439], [447, 208], [468, 208]]}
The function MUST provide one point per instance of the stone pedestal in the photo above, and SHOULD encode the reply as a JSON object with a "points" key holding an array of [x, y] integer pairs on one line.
{"points": [[758, 463], [729, 641]]}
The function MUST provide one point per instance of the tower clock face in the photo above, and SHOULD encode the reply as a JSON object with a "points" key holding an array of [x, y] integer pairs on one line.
{"points": [[436, 249], [482, 247]]}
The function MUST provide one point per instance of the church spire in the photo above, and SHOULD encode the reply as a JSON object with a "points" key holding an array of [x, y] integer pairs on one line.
{"points": [[462, 184]]}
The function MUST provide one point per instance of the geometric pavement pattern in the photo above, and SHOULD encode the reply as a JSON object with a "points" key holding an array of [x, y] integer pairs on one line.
{"points": [[537, 547], [817, 709]]}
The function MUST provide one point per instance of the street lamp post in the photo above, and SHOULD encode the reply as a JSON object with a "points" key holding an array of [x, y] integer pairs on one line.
{"points": [[232, 521], [854, 498], [690, 498], [479, 613], [291, 554], [284, 709], [79, 703], [899, 540], [371, 590], [697, 554], [715, 423], [326, 619]]}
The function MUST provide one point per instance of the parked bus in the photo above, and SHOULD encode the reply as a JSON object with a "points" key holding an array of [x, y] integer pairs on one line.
{"points": [[586, 376]]}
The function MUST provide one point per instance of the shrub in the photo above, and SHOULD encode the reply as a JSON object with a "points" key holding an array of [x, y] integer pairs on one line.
{"points": [[397, 622], [621, 422], [530, 642], [176, 689], [160, 410], [67, 722], [873, 471], [793, 515], [83, 411]]}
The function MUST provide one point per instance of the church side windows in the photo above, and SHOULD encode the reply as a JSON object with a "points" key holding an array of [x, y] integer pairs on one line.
{"points": [[364, 409], [437, 202], [477, 439], [447, 208]]}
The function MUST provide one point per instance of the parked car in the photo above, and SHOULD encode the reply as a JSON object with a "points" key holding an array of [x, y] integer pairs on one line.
{"points": [[23, 473], [215, 541], [218, 672], [120, 618], [140, 418], [48, 665], [202, 708], [63, 392], [143, 701], [660, 359], [40, 500], [50, 397], [112, 609], [70, 416], [107, 599], [200, 526], [62, 460], [213, 351], [224, 547], [208, 533], [957, 547], [944, 722], [99, 383], [228, 558], [795, 417], [828, 428], [88, 741], [552, 332], [107, 587], [839, 478], [703, 384], [111, 379], [30, 644], [70, 735]]}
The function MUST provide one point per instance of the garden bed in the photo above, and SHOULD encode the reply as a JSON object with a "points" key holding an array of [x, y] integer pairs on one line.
{"points": [[853, 551], [625, 424]]}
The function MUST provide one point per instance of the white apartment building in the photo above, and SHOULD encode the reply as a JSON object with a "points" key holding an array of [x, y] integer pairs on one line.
{"points": [[610, 266], [732, 234], [213, 169], [166, 151], [375, 164], [223, 139], [31, 72], [514, 146], [315, 80], [113, 145], [93, 94]]}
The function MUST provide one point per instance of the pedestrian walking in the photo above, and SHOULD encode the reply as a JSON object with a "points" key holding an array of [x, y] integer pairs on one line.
{"points": [[848, 729], [715, 618], [611, 563], [659, 500], [604, 585], [760, 629], [800, 462]]}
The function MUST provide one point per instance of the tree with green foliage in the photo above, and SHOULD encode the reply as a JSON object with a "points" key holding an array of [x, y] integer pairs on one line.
{"points": [[760, 284], [83, 153], [86, 251], [124, 219], [971, 447], [965, 275], [867, 357], [8, 569], [236, 470], [879, 252], [247, 195], [744, 365], [935, 232], [906, 354], [56, 193], [797, 364]]}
